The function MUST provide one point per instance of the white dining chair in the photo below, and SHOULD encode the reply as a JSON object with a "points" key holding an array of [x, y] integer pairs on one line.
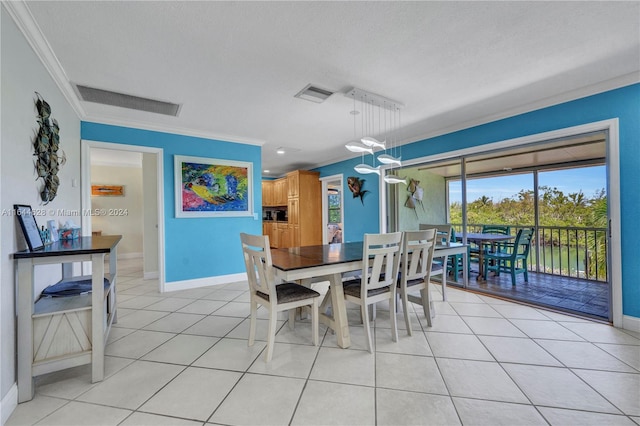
{"points": [[274, 297], [415, 271], [378, 280], [439, 264]]}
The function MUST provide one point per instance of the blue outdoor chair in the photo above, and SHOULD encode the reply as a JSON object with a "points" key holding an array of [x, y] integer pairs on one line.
{"points": [[514, 257]]}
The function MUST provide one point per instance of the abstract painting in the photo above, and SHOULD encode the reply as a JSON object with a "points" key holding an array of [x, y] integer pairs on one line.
{"points": [[208, 187]]}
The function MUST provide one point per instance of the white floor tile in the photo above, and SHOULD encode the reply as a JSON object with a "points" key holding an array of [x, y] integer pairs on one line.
{"points": [[262, 327], [627, 353], [409, 408], [78, 413], [139, 302], [335, 404], [479, 379], [194, 394], [518, 350], [224, 294], [622, 389], [563, 417], [30, 412], [213, 326], [464, 346], [545, 330], [169, 304], [557, 387], [145, 419], [513, 311], [133, 385], [344, 366], [492, 327], [287, 361], [446, 324], [235, 309], [272, 401], [584, 355], [415, 344], [139, 319], [601, 333], [204, 307], [137, 344], [174, 322], [182, 349], [475, 310], [492, 413], [230, 354], [409, 373]]}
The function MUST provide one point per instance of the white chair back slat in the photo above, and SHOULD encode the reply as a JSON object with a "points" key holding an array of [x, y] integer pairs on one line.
{"points": [[257, 257], [383, 250]]}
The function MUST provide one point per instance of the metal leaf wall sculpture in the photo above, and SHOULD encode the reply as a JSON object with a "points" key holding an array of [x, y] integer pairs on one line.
{"points": [[415, 195], [46, 146]]}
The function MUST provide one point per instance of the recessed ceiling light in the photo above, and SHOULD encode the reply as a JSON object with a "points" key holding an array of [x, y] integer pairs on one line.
{"points": [[280, 151], [266, 171]]}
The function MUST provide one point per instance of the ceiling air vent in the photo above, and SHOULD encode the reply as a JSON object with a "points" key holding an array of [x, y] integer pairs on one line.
{"points": [[313, 94], [91, 94]]}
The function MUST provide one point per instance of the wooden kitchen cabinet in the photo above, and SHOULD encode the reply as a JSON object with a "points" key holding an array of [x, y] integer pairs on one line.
{"points": [[280, 192], [304, 208], [268, 195]]}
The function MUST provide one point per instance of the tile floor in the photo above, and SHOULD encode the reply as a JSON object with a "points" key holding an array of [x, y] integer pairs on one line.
{"points": [[181, 358]]}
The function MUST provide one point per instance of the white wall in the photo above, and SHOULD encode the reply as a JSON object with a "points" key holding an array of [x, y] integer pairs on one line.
{"points": [[124, 214], [23, 74]]}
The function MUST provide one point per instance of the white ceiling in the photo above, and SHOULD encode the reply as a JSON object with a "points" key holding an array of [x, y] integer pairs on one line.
{"points": [[235, 66]]}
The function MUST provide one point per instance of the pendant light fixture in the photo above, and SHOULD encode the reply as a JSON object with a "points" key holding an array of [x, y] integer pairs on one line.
{"points": [[368, 143]]}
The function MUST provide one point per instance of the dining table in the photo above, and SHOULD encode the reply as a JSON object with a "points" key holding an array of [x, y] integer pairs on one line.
{"points": [[328, 262], [483, 239]]}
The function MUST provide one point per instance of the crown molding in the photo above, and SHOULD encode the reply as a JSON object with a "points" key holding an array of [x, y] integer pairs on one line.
{"points": [[115, 121], [21, 15]]}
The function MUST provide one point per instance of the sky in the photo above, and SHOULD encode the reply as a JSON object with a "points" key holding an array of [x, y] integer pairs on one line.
{"points": [[589, 180]]}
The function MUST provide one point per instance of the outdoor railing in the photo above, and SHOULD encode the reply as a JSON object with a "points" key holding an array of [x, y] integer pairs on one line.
{"points": [[565, 251]]}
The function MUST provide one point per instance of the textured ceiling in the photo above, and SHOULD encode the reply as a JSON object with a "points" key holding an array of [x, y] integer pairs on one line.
{"points": [[236, 66]]}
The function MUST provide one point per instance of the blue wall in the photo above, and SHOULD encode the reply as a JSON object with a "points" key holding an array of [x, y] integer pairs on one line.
{"points": [[623, 103], [194, 247]]}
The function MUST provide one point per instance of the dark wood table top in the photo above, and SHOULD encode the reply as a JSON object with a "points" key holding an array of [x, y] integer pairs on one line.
{"points": [[288, 259], [81, 245]]}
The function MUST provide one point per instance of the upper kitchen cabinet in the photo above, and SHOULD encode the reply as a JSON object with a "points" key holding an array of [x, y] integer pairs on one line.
{"points": [[280, 192], [268, 196]]}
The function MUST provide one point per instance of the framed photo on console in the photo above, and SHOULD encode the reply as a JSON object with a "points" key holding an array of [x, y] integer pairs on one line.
{"points": [[29, 226]]}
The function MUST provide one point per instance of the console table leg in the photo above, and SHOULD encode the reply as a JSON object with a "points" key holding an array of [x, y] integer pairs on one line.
{"points": [[24, 276], [97, 318]]}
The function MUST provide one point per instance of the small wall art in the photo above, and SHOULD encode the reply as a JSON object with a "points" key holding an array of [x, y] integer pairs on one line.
{"points": [[49, 156], [355, 185], [107, 190], [208, 187]]}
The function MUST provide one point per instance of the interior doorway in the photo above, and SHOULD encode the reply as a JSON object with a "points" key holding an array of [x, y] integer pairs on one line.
{"points": [[137, 214], [332, 209]]}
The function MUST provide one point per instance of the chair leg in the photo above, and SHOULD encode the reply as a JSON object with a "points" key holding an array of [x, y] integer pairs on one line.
{"points": [[426, 303], [394, 319], [405, 310], [365, 323], [252, 322], [315, 313], [292, 318], [271, 337]]}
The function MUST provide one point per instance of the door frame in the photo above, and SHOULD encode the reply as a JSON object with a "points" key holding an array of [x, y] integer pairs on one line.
{"points": [[325, 204], [85, 179], [611, 126]]}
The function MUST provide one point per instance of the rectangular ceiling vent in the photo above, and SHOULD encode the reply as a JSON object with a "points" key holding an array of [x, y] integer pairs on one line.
{"points": [[106, 97], [313, 94]]}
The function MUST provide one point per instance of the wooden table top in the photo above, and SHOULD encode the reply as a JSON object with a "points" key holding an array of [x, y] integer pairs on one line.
{"points": [[81, 245], [307, 257]]}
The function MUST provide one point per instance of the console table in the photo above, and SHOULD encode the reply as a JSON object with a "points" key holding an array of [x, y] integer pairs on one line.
{"points": [[63, 332]]}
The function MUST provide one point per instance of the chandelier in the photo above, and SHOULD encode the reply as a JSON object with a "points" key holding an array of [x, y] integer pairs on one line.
{"points": [[384, 137]]}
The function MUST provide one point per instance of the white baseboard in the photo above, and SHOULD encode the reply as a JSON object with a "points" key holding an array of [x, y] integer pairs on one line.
{"points": [[151, 275], [8, 404], [631, 323], [129, 255], [204, 282]]}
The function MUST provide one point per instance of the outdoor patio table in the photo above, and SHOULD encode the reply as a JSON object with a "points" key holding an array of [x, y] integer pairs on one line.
{"points": [[483, 239]]}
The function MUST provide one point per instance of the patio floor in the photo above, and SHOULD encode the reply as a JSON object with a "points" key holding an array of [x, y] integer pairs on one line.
{"points": [[571, 295]]}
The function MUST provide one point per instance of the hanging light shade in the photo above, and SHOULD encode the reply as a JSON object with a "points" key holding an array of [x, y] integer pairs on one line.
{"points": [[393, 179], [365, 169], [373, 142], [388, 159], [358, 147]]}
